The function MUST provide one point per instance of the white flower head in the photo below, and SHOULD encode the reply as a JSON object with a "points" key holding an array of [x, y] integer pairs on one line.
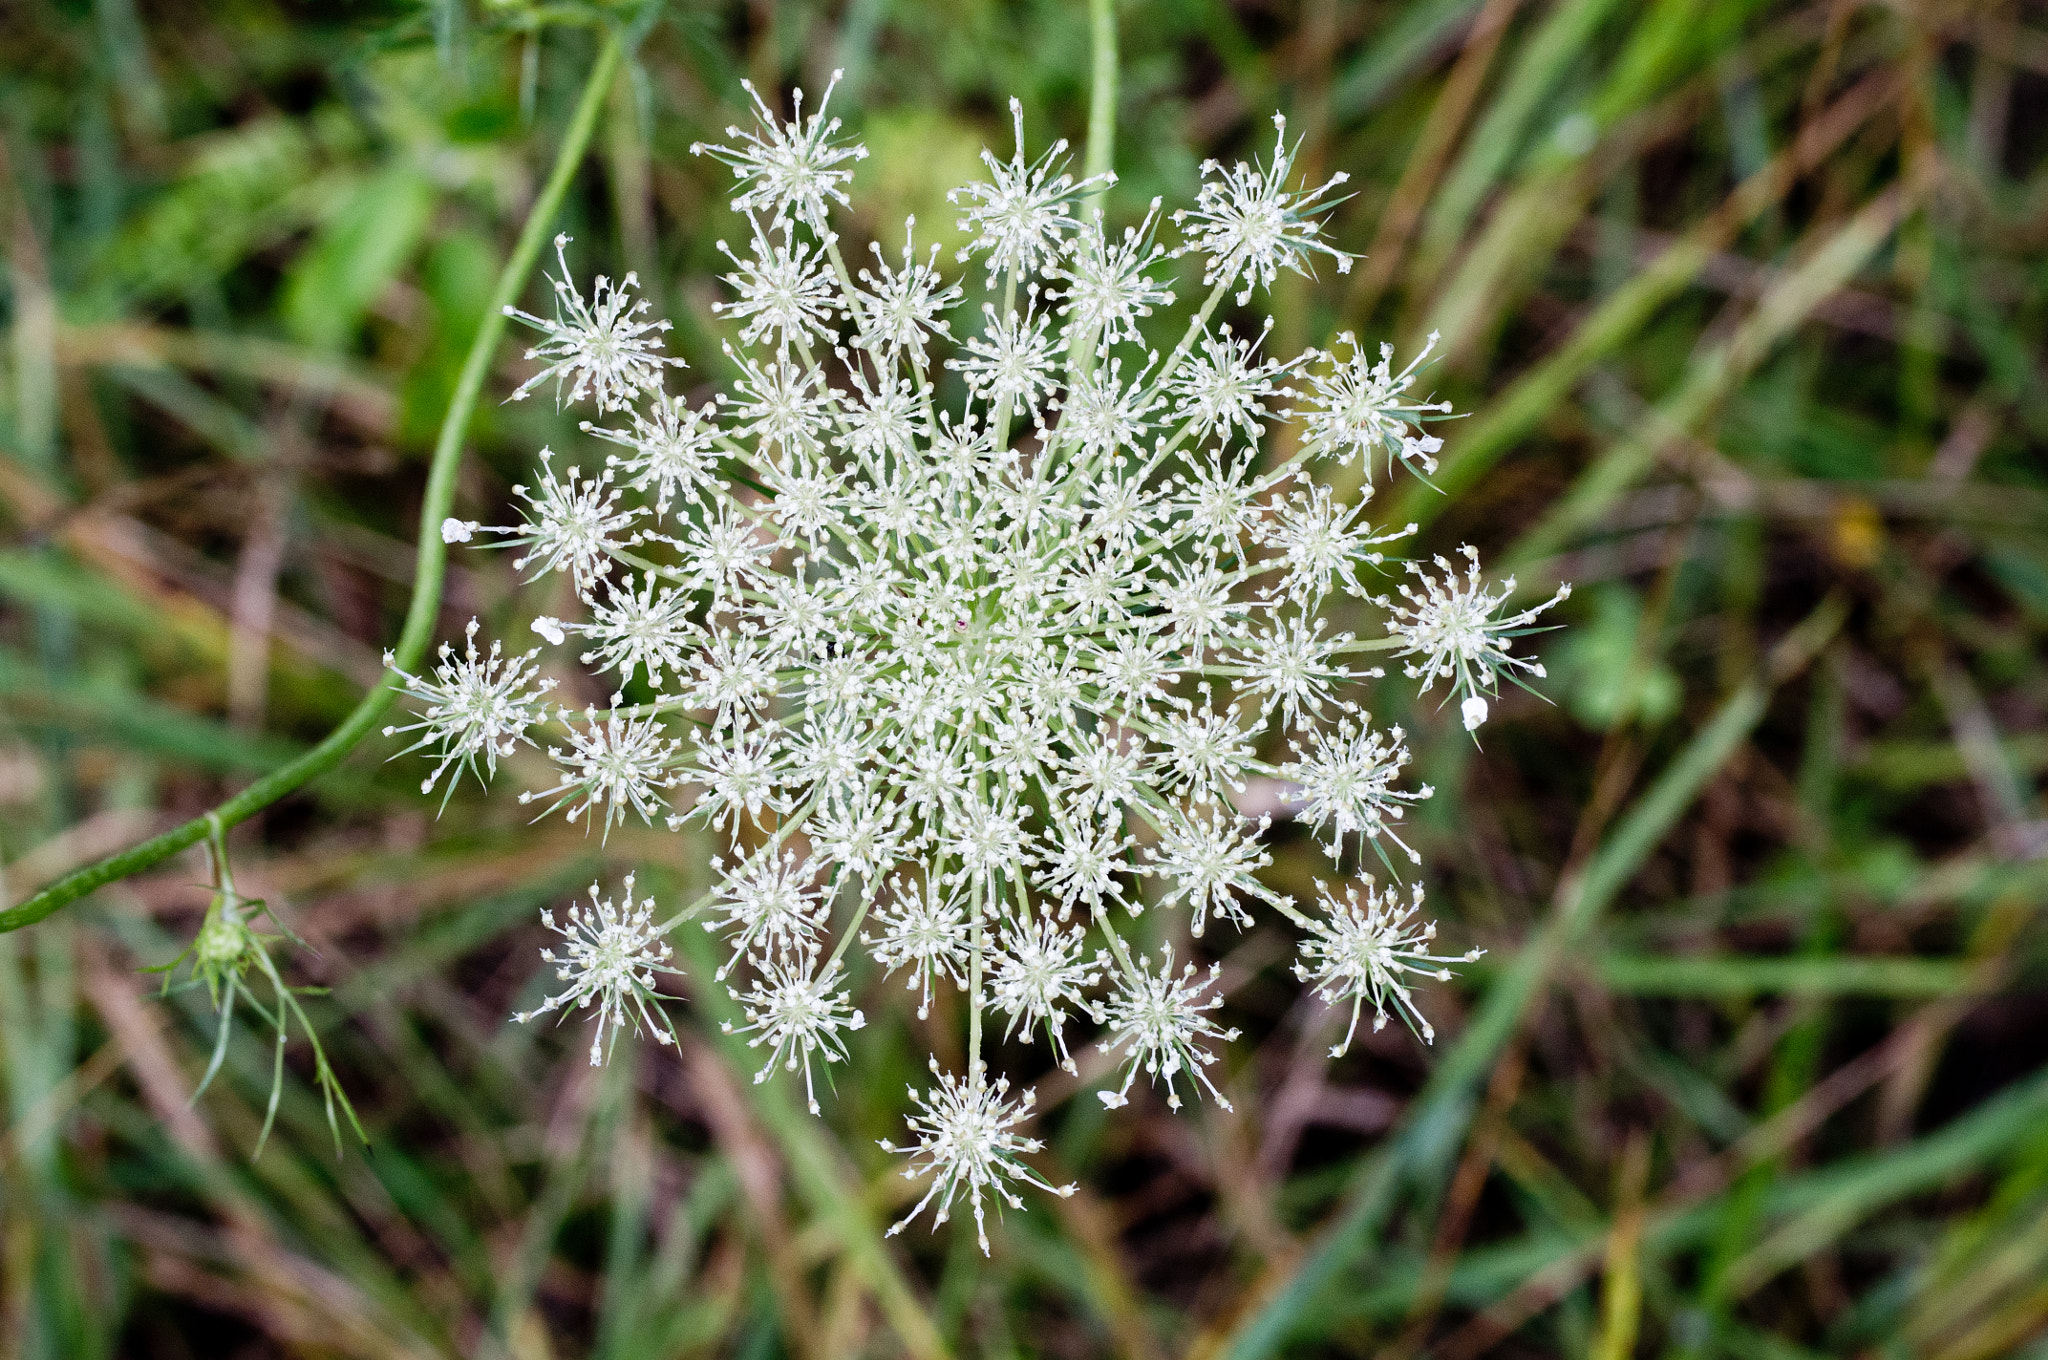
{"points": [[1041, 971], [611, 952], [882, 420], [1364, 951], [1296, 670], [728, 551], [1207, 753], [1086, 865], [671, 449], [1012, 360], [732, 674], [1344, 779], [924, 929], [1102, 413], [1325, 542], [1251, 225], [573, 523], [1021, 212], [793, 171], [949, 676], [601, 348], [966, 1141], [784, 290], [1161, 1022], [794, 1012], [861, 830], [740, 777], [1457, 631], [1107, 291], [988, 839], [773, 910], [476, 706], [645, 630], [903, 309], [1207, 861], [1221, 499], [1223, 385], [614, 764], [781, 405], [1359, 409]]}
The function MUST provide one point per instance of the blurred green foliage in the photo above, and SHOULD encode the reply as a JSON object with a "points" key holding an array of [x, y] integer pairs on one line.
{"points": [[1750, 303]]}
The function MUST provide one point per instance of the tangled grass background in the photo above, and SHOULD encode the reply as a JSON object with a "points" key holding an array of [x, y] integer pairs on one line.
{"points": [[1748, 300]]}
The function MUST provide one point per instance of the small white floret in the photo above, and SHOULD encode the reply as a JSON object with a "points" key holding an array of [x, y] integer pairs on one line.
{"points": [[967, 1142], [611, 954], [1361, 949]]}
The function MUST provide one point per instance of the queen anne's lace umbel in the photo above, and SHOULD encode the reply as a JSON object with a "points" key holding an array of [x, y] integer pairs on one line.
{"points": [[977, 683]]}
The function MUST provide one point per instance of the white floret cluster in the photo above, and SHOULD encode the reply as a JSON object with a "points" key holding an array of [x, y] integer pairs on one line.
{"points": [[969, 646]]}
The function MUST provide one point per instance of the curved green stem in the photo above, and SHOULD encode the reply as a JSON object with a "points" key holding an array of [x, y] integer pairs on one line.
{"points": [[425, 607]]}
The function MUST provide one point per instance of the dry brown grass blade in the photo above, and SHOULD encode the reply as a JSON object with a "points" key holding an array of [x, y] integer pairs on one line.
{"points": [[1089, 1222], [276, 1291], [49, 1112], [253, 601], [1428, 159], [723, 1105], [75, 845], [1460, 1200], [138, 1028], [191, 596]]}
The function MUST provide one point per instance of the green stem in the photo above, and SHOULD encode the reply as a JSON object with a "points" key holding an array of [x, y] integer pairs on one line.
{"points": [[975, 907], [1099, 161], [1101, 155], [425, 608], [999, 421]]}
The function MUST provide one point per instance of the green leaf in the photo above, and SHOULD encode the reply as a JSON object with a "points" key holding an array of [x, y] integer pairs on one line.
{"points": [[355, 256]]}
